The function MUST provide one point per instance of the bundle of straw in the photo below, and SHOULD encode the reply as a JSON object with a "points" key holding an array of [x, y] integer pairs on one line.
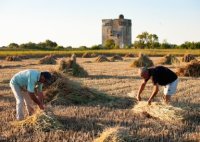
{"points": [[86, 55], [13, 58], [115, 134], [142, 61], [72, 68], [73, 58], [64, 92], [101, 58], [162, 111], [41, 120], [64, 65], [169, 59], [188, 58], [78, 71], [116, 58], [94, 55], [129, 55], [49, 59], [191, 69]]}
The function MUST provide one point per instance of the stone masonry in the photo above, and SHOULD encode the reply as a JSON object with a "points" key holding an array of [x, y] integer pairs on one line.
{"points": [[117, 29]]}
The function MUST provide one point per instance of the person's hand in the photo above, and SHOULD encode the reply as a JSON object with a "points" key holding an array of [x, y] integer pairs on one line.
{"points": [[41, 106], [149, 102], [138, 98], [31, 111]]}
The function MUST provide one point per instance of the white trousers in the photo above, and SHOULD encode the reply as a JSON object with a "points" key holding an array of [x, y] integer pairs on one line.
{"points": [[21, 98], [170, 89]]}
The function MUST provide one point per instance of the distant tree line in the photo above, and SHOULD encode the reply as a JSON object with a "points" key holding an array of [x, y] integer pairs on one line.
{"points": [[150, 41], [144, 40], [48, 44]]}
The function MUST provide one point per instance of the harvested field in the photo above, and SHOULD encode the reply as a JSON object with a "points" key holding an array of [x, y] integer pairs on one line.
{"points": [[85, 121]]}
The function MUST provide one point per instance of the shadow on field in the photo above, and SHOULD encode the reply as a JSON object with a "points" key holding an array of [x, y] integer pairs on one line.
{"points": [[16, 66], [92, 123], [192, 112], [112, 77], [11, 66], [4, 87], [98, 99], [67, 92]]}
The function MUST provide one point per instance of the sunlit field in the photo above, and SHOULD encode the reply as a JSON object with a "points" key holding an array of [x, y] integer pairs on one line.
{"points": [[86, 122], [152, 52]]}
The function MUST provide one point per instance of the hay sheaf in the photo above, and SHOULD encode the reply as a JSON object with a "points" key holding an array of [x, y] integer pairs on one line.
{"points": [[162, 111], [102, 58], [192, 69], [65, 65], [129, 55], [49, 59], [94, 55], [13, 58], [142, 61], [116, 58], [64, 92], [188, 58], [72, 68], [115, 134], [86, 55], [40, 120], [169, 60]]}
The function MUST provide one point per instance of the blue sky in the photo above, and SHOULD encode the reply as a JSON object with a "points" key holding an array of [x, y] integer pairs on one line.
{"points": [[78, 22]]}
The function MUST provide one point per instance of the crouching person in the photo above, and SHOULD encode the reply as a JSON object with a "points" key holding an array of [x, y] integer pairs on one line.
{"points": [[160, 76], [30, 81]]}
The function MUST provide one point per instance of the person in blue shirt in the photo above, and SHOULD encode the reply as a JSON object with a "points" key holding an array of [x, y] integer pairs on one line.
{"points": [[30, 81]]}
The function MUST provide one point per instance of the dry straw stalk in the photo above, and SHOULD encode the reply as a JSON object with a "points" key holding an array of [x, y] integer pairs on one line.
{"points": [[115, 134], [41, 120], [162, 111]]}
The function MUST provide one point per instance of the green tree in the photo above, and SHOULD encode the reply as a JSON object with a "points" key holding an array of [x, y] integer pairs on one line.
{"points": [[146, 40], [96, 47], [13, 45], [50, 43], [69, 47], [59, 47], [109, 44], [152, 41], [83, 47]]}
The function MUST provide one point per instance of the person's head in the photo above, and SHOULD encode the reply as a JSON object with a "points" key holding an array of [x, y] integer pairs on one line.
{"points": [[143, 72], [45, 77]]}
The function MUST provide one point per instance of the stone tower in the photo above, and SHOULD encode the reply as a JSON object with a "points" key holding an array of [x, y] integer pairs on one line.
{"points": [[117, 29]]}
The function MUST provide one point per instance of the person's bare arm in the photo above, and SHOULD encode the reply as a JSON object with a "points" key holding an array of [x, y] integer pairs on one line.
{"points": [[155, 91], [140, 90], [41, 97], [34, 98]]}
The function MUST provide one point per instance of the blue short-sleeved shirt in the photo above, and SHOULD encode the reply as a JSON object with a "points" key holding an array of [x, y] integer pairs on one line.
{"points": [[28, 79]]}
